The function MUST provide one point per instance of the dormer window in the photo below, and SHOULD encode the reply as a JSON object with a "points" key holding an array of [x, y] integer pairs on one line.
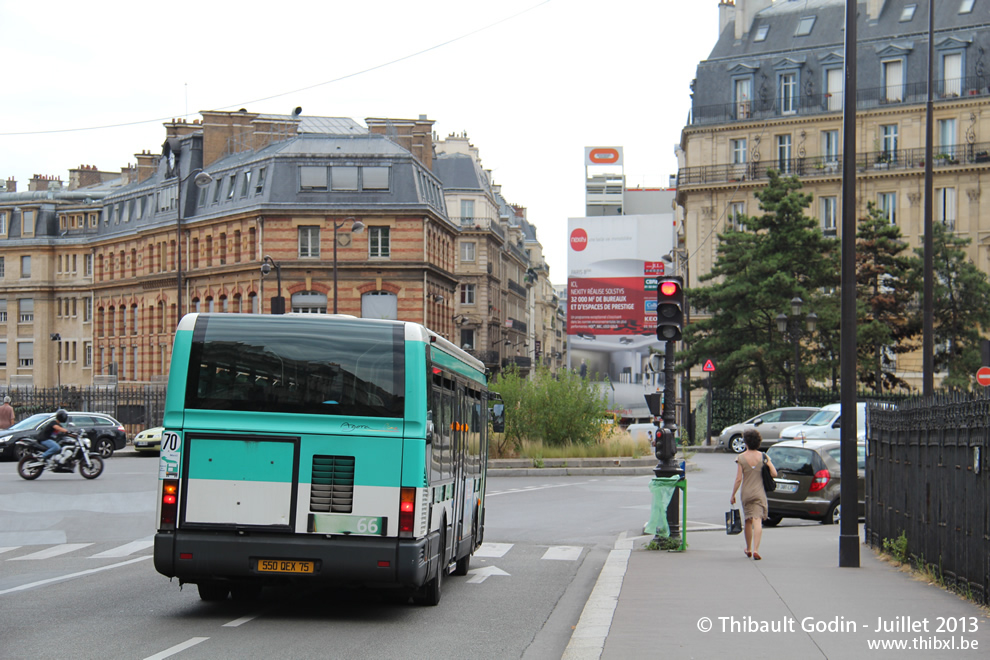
{"points": [[804, 26], [908, 13], [761, 33], [966, 6]]}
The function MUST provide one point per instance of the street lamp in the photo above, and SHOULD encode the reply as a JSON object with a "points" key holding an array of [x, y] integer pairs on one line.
{"points": [[792, 326], [278, 302], [356, 227], [58, 366]]}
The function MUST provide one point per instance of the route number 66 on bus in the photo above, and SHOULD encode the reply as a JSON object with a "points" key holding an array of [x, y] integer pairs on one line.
{"points": [[320, 448]]}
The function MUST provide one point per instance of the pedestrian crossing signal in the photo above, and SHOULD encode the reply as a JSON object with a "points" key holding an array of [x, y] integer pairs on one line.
{"points": [[670, 308]]}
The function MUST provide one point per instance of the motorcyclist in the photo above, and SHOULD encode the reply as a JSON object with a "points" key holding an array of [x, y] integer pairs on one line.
{"points": [[48, 433]]}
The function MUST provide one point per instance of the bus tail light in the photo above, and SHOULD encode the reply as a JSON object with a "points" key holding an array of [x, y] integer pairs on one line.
{"points": [[170, 503], [407, 511]]}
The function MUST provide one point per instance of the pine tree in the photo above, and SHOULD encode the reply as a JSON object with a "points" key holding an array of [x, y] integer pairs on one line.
{"points": [[758, 270], [886, 294]]}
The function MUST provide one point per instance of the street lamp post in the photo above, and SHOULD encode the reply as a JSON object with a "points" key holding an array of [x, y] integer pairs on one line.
{"points": [[58, 366], [792, 326], [278, 302], [356, 227]]}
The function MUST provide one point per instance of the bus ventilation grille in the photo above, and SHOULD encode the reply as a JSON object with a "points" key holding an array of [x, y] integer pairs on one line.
{"points": [[333, 484]]}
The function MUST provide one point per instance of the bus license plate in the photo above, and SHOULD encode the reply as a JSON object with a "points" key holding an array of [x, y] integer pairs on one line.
{"points": [[284, 566]]}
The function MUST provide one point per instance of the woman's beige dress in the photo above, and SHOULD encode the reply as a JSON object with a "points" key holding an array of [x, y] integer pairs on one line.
{"points": [[752, 495]]}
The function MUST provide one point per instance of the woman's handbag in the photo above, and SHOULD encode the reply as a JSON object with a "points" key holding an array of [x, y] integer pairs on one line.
{"points": [[769, 485], [733, 522]]}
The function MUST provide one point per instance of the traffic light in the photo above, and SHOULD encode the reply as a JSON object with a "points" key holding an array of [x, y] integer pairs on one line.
{"points": [[666, 447], [670, 308]]}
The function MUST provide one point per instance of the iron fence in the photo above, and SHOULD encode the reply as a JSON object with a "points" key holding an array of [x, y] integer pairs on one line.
{"points": [[137, 407], [928, 477]]}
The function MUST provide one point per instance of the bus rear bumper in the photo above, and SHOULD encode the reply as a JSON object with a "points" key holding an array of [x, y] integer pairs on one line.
{"points": [[194, 556]]}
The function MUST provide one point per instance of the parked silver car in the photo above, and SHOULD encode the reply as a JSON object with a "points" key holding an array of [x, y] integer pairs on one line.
{"points": [[769, 424]]}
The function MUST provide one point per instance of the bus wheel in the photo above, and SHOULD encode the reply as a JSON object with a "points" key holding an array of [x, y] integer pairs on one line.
{"points": [[213, 591], [463, 565]]}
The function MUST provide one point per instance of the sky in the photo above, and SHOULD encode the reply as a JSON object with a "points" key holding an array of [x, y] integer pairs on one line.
{"points": [[531, 82]]}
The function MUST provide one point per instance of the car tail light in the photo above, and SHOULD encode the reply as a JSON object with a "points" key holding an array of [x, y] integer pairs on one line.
{"points": [[820, 481], [170, 503], [407, 511]]}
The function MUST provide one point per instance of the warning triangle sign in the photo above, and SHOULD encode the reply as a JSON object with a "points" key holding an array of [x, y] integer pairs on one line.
{"points": [[709, 366]]}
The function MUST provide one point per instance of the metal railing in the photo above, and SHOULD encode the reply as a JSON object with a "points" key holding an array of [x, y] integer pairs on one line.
{"points": [[975, 153], [137, 407], [928, 477]]}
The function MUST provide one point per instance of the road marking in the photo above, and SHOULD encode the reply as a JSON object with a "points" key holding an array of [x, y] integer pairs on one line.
{"points": [[71, 576], [125, 550], [530, 489], [588, 638], [9, 548], [241, 621], [54, 551], [479, 575], [493, 550], [563, 552], [167, 653]]}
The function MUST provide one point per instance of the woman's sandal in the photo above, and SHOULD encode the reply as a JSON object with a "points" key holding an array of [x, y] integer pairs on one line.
{"points": [[748, 553], [757, 556]]}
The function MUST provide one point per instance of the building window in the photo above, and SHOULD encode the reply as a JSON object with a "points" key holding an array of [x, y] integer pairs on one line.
{"points": [[788, 93], [945, 207], [27, 223], [313, 177], [946, 138], [743, 91], [309, 242], [888, 144], [784, 154], [829, 207], [804, 26], [761, 32], [736, 212], [88, 265], [467, 251], [246, 184], [309, 302], [830, 146], [3, 267], [893, 81], [3, 310], [25, 310], [3, 222], [380, 305], [231, 186], [87, 310], [467, 209], [3, 354], [951, 74], [378, 242], [25, 354], [467, 294], [908, 13], [374, 178], [467, 339], [344, 178], [259, 186], [966, 6], [26, 266], [738, 148], [888, 204], [217, 188], [88, 354], [204, 192], [255, 306]]}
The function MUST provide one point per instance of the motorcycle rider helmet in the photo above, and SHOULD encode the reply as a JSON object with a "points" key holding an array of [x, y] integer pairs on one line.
{"points": [[61, 416]]}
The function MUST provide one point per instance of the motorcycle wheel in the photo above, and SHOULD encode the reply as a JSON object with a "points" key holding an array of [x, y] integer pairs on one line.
{"points": [[93, 471], [32, 471]]}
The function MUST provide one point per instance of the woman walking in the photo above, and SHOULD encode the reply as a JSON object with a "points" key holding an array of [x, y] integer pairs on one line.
{"points": [[754, 499]]}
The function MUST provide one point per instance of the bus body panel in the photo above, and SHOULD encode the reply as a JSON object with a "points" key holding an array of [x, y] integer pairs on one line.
{"points": [[260, 488]]}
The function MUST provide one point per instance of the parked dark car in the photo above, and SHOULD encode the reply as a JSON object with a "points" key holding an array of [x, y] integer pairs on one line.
{"points": [[104, 432], [808, 477]]}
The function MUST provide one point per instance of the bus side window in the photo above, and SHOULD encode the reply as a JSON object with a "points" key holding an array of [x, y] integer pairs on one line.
{"points": [[498, 418]]}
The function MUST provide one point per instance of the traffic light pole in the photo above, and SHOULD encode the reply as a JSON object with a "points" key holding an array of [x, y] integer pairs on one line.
{"points": [[667, 441]]}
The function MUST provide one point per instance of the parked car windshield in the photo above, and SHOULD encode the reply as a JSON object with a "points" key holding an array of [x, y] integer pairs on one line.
{"points": [[820, 418], [30, 422]]}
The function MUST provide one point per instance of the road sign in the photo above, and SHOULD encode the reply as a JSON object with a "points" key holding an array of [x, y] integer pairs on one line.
{"points": [[983, 376], [709, 366]]}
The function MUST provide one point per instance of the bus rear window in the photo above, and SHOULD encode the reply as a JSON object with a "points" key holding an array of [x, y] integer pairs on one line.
{"points": [[315, 365]]}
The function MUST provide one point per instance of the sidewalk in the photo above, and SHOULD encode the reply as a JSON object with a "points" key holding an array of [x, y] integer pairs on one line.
{"points": [[711, 601]]}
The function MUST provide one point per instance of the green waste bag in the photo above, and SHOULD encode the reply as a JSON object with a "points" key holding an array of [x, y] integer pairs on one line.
{"points": [[662, 489]]}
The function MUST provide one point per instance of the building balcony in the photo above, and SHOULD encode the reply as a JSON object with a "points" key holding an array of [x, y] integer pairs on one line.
{"points": [[521, 361], [831, 166]]}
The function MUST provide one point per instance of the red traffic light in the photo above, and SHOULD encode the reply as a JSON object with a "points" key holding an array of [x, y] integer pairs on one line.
{"points": [[669, 288]]}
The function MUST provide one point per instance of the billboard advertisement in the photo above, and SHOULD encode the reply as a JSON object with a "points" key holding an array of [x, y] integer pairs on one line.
{"points": [[613, 263]]}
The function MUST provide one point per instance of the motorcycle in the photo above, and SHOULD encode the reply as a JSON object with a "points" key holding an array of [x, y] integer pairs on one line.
{"points": [[74, 450]]}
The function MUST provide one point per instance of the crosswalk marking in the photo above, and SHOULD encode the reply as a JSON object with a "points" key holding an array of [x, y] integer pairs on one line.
{"points": [[124, 550], [493, 549], [53, 551], [563, 552], [9, 548]]}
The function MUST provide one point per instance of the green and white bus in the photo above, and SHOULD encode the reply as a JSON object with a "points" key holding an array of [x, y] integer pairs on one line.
{"points": [[320, 448]]}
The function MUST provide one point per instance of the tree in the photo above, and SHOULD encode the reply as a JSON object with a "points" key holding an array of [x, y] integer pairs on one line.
{"points": [[960, 309], [886, 295], [757, 271]]}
